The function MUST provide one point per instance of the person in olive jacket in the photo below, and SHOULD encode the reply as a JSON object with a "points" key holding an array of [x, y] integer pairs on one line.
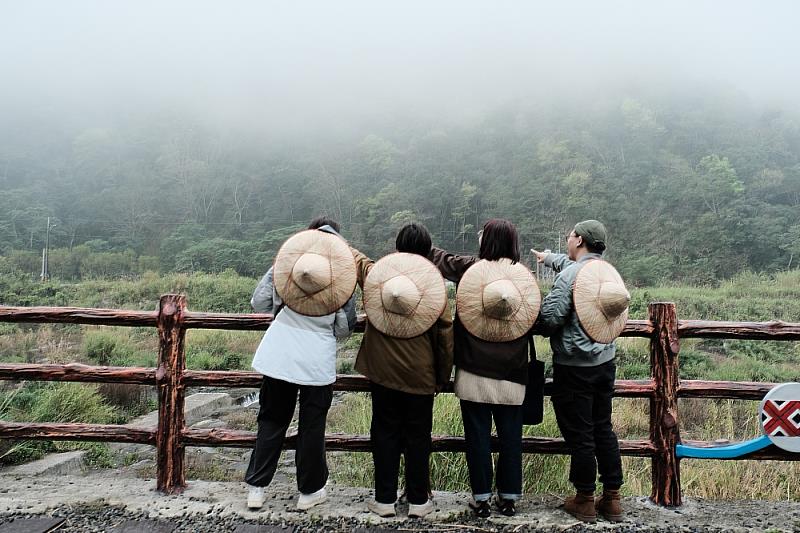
{"points": [[404, 375]]}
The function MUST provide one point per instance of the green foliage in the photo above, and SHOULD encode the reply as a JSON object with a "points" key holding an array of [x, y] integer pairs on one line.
{"points": [[690, 194]]}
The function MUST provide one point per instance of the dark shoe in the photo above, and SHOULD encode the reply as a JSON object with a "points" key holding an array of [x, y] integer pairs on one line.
{"points": [[609, 506], [581, 506], [506, 507], [480, 509]]}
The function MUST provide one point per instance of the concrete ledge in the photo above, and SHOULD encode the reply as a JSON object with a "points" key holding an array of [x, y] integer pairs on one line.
{"points": [[53, 464]]}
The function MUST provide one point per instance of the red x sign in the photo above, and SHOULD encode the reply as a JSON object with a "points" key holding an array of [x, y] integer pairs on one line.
{"points": [[781, 418]]}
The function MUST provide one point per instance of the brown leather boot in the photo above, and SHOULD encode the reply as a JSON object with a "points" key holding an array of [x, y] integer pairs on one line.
{"points": [[609, 506], [581, 506]]}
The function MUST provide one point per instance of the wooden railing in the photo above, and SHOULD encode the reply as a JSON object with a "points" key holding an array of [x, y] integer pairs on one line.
{"points": [[171, 435]]}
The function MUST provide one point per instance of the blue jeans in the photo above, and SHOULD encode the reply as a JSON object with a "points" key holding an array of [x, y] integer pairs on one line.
{"points": [[477, 419]]}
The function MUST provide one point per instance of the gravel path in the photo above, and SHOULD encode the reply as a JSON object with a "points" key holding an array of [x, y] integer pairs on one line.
{"points": [[102, 500]]}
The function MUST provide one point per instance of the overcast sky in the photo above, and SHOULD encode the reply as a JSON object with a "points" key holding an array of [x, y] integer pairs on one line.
{"points": [[312, 62]]}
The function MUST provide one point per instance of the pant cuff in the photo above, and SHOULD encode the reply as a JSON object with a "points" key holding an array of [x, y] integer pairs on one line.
{"points": [[482, 497], [506, 496]]}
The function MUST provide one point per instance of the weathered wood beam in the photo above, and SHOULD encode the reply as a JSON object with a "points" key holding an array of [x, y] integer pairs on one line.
{"points": [[361, 443], [78, 432], [664, 432], [78, 315], [78, 372], [775, 330], [737, 390]]}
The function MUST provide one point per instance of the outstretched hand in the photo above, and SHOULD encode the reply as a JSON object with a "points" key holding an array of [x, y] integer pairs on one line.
{"points": [[539, 255]]}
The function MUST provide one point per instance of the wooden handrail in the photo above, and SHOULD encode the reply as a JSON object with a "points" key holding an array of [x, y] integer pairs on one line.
{"points": [[171, 436]]}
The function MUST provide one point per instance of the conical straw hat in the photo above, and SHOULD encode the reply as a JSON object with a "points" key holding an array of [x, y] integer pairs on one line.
{"points": [[498, 301], [404, 294], [601, 301], [314, 272]]}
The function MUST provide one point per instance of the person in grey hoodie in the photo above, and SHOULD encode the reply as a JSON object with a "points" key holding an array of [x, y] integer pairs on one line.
{"points": [[583, 380], [297, 356]]}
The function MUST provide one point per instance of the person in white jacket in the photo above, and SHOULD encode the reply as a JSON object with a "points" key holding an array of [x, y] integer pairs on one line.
{"points": [[296, 356]]}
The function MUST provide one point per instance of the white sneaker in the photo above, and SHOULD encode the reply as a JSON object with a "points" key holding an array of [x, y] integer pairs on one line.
{"points": [[384, 510], [418, 511], [307, 501], [255, 498]]}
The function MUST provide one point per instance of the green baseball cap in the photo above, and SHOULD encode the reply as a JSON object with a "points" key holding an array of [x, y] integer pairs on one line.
{"points": [[592, 231]]}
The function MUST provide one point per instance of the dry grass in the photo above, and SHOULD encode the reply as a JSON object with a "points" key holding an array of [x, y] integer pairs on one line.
{"points": [[547, 474]]}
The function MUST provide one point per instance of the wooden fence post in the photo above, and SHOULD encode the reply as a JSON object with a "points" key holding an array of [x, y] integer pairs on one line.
{"points": [[664, 432], [171, 392]]}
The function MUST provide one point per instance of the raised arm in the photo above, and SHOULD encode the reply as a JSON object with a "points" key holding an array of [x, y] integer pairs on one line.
{"points": [[363, 265], [451, 266]]}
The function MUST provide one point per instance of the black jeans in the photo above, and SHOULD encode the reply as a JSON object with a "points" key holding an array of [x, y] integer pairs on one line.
{"points": [[401, 423], [277, 402], [478, 436], [582, 402]]}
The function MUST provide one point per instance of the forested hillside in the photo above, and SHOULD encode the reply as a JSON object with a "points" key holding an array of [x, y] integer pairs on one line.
{"points": [[692, 188]]}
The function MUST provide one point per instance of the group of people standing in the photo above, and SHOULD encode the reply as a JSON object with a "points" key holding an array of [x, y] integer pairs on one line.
{"points": [[411, 343]]}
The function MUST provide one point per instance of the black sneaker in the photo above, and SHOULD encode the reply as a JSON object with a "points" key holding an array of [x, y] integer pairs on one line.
{"points": [[506, 507], [481, 509]]}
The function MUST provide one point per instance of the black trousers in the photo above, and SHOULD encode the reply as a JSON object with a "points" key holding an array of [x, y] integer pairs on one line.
{"points": [[401, 424], [477, 419], [582, 402], [277, 402]]}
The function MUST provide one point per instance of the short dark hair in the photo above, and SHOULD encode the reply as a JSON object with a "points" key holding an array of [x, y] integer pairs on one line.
{"points": [[318, 222], [414, 238], [499, 240], [598, 248]]}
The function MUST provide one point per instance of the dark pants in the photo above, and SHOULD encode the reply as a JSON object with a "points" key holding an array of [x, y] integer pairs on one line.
{"points": [[582, 402], [478, 436], [277, 402], [401, 423]]}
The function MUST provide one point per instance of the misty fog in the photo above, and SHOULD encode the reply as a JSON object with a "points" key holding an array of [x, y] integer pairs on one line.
{"points": [[284, 67]]}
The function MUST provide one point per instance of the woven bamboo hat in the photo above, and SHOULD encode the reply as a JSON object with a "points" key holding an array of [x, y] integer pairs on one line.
{"points": [[404, 294], [601, 301], [498, 301], [314, 272]]}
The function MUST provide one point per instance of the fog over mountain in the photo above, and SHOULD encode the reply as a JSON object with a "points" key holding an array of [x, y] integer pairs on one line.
{"points": [[195, 136]]}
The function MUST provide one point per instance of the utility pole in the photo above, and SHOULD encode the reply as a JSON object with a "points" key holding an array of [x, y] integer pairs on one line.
{"points": [[46, 253]]}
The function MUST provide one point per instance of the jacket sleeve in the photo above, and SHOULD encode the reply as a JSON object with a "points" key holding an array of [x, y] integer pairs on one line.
{"points": [[350, 312], [558, 262], [451, 266], [341, 326], [262, 301], [363, 266], [556, 306], [443, 347]]}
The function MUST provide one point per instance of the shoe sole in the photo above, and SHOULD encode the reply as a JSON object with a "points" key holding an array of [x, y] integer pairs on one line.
{"points": [[612, 517], [589, 519], [254, 506]]}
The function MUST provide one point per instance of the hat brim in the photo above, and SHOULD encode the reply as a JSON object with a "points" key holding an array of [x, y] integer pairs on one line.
{"points": [[343, 273], [585, 295], [427, 279], [469, 300]]}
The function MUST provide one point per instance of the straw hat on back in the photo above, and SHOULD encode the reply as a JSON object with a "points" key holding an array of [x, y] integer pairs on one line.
{"points": [[314, 273], [498, 301], [601, 301], [404, 295]]}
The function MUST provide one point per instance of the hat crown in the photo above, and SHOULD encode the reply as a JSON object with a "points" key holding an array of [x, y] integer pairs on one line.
{"points": [[501, 298], [400, 295], [312, 273], [613, 299]]}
